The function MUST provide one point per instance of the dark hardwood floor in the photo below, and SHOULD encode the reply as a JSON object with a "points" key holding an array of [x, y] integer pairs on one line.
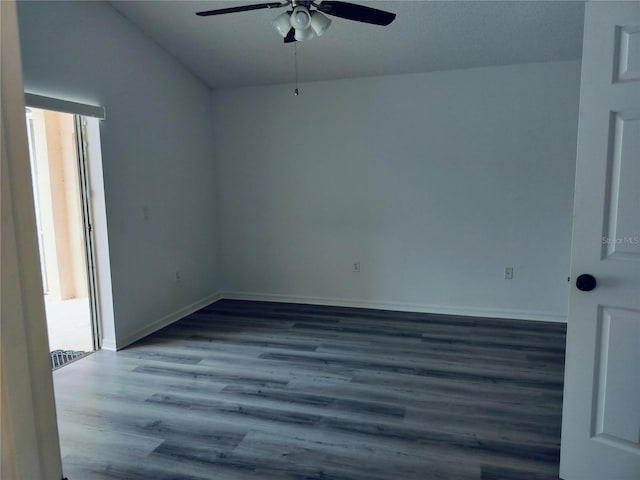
{"points": [[254, 390]]}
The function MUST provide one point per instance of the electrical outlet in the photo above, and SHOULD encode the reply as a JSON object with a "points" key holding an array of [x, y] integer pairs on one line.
{"points": [[178, 277], [356, 267], [508, 273], [145, 213]]}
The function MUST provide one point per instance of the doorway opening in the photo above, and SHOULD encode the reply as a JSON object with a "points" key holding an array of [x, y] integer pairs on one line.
{"points": [[57, 151]]}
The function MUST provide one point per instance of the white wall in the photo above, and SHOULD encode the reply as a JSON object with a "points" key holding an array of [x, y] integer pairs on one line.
{"points": [[157, 154], [29, 446], [434, 182]]}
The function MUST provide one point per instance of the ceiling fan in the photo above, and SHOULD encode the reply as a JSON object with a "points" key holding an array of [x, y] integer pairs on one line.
{"points": [[305, 18]]}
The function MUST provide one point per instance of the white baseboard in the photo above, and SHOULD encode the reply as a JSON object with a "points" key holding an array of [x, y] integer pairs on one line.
{"points": [[109, 344], [162, 322], [402, 307]]}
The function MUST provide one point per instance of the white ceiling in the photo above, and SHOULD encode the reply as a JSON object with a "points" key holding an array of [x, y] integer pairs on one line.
{"points": [[243, 49]]}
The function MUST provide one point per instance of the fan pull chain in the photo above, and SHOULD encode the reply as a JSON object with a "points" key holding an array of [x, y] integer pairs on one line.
{"points": [[295, 61]]}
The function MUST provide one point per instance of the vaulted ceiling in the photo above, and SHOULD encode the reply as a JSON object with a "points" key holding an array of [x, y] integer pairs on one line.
{"points": [[243, 49]]}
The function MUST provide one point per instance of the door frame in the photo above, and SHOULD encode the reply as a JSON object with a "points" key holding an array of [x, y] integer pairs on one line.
{"points": [[87, 120], [87, 229], [30, 446]]}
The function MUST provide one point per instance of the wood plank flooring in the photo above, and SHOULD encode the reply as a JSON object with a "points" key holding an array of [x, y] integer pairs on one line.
{"points": [[256, 390]]}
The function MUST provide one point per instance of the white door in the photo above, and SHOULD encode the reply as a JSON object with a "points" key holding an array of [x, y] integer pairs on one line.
{"points": [[601, 407]]}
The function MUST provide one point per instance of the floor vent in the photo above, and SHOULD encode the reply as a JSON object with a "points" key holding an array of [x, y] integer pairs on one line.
{"points": [[60, 358]]}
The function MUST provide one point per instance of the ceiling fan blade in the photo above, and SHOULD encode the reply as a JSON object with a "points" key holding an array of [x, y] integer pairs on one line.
{"points": [[291, 36], [243, 8], [358, 13]]}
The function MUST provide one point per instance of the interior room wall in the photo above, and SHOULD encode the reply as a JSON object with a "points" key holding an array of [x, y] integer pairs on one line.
{"points": [[29, 445], [158, 166], [434, 182]]}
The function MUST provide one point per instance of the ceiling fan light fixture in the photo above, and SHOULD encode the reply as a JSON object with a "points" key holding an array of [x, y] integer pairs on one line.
{"points": [[319, 22], [305, 34], [282, 23], [300, 18], [306, 18]]}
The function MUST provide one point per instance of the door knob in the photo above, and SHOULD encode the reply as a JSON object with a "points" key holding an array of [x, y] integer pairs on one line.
{"points": [[585, 282]]}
